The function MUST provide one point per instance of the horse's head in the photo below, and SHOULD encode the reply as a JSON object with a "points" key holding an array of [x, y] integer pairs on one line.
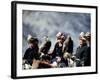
{"points": [[66, 55]]}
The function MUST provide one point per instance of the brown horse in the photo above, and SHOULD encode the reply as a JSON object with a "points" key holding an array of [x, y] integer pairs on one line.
{"points": [[37, 64]]}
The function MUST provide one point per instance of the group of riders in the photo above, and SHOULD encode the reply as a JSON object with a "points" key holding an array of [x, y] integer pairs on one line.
{"points": [[36, 57]]}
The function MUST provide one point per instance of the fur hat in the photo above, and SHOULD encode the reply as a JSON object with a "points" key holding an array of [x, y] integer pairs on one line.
{"points": [[88, 34], [60, 35], [31, 40], [29, 37], [82, 36]]}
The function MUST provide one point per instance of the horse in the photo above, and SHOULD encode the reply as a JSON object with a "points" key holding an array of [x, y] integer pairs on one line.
{"points": [[70, 59]]}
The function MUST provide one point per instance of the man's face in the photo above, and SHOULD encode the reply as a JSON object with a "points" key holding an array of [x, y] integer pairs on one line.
{"points": [[81, 42], [30, 45], [89, 38], [61, 40]]}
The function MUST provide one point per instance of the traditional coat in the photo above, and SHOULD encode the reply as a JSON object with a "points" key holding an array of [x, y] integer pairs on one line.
{"points": [[82, 55]]}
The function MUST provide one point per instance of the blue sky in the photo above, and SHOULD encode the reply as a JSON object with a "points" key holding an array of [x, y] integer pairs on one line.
{"points": [[41, 23]]}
